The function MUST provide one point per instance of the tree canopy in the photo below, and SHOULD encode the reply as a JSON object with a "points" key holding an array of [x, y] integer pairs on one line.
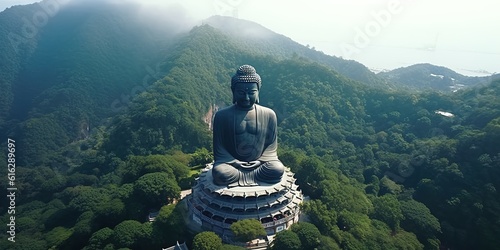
{"points": [[103, 139], [247, 229], [288, 240], [207, 241]]}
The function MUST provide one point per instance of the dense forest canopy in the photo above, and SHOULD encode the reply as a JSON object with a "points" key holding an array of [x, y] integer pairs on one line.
{"points": [[108, 131]]}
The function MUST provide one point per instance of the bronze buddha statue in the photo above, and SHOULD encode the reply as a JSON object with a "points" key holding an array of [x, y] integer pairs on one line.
{"points": [[245, 136]]}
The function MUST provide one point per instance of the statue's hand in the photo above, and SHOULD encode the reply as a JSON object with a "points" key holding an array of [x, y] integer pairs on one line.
{"points": [[248, 165]]}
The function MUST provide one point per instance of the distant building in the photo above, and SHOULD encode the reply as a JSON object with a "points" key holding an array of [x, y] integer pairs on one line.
{"points": [[177, 247], [152, 216]]}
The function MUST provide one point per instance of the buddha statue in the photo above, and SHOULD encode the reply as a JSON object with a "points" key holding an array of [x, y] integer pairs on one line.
{"points": [[245, 136]]}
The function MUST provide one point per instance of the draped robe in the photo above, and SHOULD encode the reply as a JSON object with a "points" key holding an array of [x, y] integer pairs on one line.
{"points": [[229, 148]]}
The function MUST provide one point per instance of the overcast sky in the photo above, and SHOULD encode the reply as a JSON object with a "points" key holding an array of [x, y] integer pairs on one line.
{"points": [[382, 34]]}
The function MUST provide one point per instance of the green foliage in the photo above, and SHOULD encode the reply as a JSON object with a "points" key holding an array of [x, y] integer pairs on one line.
{"points": [[406, 240], [131, 234], [201, 156], [419, 219], [57, 236], [327, 243], [350, 242], [230, 247], [170, 222], [364, 155], [111, 212], [388, 186], [41, 137], [137, 166], [356, 224], [100, 238], [24, 242], [85, 198], [325, 219], [156, 189], [286, 240], [247, 229], [84, 223], [388, 209], [207, 241], [308, 233]]}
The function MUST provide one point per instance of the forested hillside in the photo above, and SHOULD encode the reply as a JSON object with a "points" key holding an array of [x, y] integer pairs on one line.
{"points": [[428, 77], [258, 39], [384, 168], [80, 68]]}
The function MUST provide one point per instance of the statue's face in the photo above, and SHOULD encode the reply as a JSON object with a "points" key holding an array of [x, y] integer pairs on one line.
{"points": [[245, 94]]}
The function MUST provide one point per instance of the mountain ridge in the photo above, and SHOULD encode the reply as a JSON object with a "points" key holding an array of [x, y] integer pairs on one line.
{"points": [[425, 76], [258, 37], [382, 167]]}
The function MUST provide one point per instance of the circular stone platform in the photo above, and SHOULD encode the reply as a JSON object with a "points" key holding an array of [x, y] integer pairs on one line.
{"points": [[215, 208]]}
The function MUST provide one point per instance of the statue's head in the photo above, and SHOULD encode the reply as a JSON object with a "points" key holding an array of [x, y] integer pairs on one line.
{"points": [[245, 85]]}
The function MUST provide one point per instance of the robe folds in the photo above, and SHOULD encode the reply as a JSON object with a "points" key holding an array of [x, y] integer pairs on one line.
{"points": [[262, 147]]}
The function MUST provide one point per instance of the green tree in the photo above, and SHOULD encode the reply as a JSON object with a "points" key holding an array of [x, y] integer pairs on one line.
{"points": [[248, 229], [419, 219], [388, 209], [25, 243], [57, 236], [207, 241], [137, 166], [83, 227], [308, 233], [388, 186], [169, 222], [157, 189], [287, 240], [350, 242], [111, 213], [201, 156], [86, 198], [374, 186], [231, 247], [131, 234], [327, 243], [357, 224], [406, 240], [99, 239], [325, 219]]}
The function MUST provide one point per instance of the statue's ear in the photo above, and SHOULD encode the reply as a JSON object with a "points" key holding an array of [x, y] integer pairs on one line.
{"points": [[232, 91]]}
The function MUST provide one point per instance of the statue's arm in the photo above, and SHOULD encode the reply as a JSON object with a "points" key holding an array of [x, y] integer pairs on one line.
{"points": [[221, 155], [271, 146]]}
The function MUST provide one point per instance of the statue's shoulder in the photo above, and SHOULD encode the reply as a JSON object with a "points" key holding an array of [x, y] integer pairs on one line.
{"points": [[224, 111], [265, 110]]}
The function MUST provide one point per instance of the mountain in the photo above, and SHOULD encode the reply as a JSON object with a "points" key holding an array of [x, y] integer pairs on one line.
{"points": [[431, 77], [108, 113], [258, 39], [82, 66]]}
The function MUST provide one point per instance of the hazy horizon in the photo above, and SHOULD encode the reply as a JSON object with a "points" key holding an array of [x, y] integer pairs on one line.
{"points": [[382, 35]]}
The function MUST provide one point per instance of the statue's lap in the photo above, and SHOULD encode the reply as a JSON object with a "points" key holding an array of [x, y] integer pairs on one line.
{"points": [[268, 172]]}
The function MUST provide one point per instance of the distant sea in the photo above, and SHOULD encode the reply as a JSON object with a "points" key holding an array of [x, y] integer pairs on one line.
{"points": [[463, 62]]}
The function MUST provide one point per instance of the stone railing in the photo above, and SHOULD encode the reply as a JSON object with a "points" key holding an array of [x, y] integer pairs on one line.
{"points": [[227, 226], [210, 220], [292, 196], [278, 222]]}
